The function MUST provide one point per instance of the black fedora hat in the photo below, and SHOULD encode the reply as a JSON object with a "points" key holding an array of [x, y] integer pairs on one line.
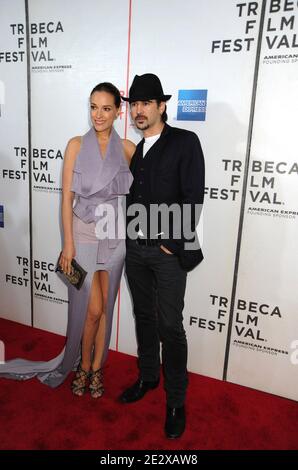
{"points": [[146, 87]]}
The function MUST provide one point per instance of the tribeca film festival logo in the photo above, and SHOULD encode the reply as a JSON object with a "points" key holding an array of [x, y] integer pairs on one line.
{"points": [[274, 25], [40, 53], [247, 318], [42, 272], [246, 325], [17, 55], [264, 176], [45, 165], [234, 171], [192, 105], [280, 26], [244, 10], [251, 320], [43, 275], [20, 174], [19, 279], [220, 304]]}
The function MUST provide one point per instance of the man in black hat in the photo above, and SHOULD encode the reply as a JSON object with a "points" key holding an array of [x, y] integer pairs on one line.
{"points": [[168, 170]]}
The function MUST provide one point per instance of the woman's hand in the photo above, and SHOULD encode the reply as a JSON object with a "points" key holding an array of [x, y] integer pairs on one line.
{"points": [[68, 253]]}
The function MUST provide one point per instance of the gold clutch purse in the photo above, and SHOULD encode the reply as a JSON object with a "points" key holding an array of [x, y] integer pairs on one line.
{"points": [[77, 277]]}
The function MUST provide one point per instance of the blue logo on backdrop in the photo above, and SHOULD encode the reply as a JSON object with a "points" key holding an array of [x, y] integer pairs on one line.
{"points": [[2, 216], [192, 105]]}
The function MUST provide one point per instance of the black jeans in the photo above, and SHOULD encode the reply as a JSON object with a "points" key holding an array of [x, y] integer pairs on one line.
{"points": [[157, 284]]}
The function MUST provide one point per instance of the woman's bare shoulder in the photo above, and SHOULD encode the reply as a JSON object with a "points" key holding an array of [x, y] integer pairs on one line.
{"points": [[129, 149], [75, 142], [73, 147]]}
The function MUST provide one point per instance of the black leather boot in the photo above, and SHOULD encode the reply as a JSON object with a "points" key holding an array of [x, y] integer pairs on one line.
{"points": [[175, 422], [137, 391]]}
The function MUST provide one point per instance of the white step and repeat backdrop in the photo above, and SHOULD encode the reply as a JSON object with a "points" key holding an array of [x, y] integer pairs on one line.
{"points": [[232, 68]]}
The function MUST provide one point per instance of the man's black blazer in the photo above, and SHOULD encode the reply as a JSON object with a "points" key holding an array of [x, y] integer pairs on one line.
{"points": [[177, 176]]}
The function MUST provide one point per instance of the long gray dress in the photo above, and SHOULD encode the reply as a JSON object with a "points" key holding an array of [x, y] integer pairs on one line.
{"points": [[99, 186]]}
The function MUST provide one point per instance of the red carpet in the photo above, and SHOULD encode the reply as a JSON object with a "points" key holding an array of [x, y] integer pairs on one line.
{"points": [[220, 415]]}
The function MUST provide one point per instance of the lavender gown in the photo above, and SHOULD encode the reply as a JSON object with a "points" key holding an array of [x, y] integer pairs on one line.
{"points": [[99, 186]]}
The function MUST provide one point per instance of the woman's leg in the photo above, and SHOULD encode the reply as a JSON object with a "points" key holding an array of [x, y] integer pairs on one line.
{"points": [[99, 341], [96, 379], [93, 320]]}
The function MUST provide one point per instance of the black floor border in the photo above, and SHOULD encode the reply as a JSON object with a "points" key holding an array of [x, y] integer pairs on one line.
{"points": [[244, 188], [29, 150]]}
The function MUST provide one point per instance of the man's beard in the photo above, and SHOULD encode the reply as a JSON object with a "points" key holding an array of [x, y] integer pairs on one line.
{"points": [[142, 126]]}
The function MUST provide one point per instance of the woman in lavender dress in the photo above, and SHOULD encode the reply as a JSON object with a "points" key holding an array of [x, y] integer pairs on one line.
{"points": [[96, 178]]}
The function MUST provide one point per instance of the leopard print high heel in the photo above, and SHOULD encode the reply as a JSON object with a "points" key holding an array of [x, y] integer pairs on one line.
{"points": [[96, 383], [79, 383]]}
